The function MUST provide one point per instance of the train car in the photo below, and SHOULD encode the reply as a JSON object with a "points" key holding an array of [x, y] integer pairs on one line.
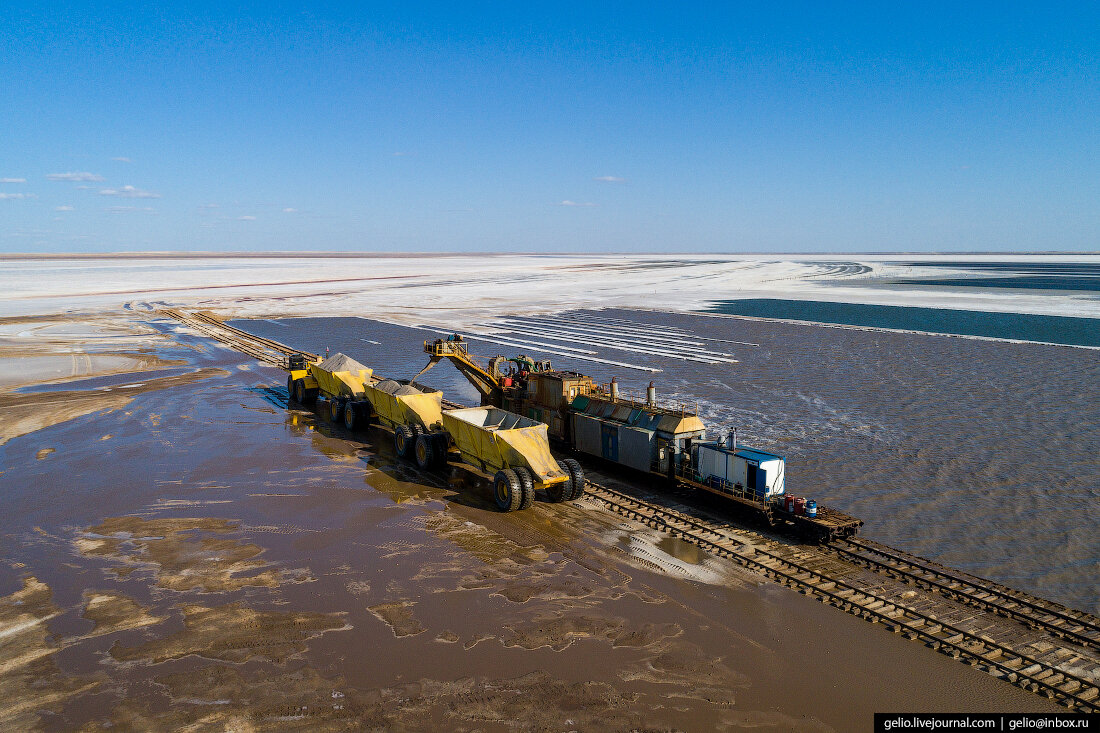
{"points": [[639, 435], [755, 478]]}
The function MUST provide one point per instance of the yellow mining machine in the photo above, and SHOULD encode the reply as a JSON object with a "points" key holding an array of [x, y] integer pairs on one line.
{"points": [[518, 384]]}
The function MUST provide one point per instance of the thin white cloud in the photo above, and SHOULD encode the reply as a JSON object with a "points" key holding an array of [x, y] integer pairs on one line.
{"points": [[74, 176], [610, 179], [129, 209], [13, 180], [208, 206], [576, 203], [246, 218], [16, 196], [129, 192], [121, 159], [62, 208], [290, 211]]}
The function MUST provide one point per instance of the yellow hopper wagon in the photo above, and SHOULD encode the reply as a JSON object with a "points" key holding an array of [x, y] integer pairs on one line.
{"points": [[515, 451], [414, 414], [338, 380]]}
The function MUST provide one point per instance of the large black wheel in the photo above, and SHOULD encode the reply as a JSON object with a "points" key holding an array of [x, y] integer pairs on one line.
{"points": [[335, 409], [300, 391], [576, 479], [351, 420], [507, 490], [527, 483], [289, 387], [425, 452], [403, 439], [563, 490], [440, 447]]}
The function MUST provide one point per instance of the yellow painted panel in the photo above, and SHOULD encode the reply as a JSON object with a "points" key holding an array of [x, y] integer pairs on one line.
{"points": [[341, 384], [530, 447], [499, 448], [415, 409]]}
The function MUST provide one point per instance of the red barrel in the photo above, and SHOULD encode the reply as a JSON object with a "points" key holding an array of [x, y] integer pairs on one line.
{"points": [[799, 505], [788, 503]]}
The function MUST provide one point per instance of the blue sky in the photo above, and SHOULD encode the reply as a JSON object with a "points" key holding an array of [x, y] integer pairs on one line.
{"points": [[790, 127]]}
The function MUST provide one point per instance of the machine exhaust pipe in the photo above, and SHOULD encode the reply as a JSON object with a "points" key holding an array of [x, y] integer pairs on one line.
{"points": [[614, 388], [651, 395]]}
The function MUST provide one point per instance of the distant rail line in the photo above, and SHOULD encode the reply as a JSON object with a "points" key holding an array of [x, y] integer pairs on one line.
{"points": [[266, 350], [954, 613]]}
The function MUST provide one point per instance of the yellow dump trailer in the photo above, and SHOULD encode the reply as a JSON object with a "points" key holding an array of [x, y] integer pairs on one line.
{"points": [[403, 404], [517, 450], [341, 376], [411, 412], [339, 380]]}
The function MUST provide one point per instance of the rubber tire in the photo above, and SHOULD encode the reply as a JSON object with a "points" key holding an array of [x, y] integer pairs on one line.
{"points": [[507, 491], [403, 439], [424, 452], [527, 482], [300, 391], [335, 410], [289, 387], [576, 479], [559, 492], [351, 422], [440, 447]]}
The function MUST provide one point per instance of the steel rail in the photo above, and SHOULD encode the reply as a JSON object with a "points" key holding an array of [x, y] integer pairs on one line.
{"points": [[919, 571], [1084, 692], [1070, 689]]}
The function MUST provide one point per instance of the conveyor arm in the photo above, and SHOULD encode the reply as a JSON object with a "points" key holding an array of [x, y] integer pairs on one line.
{"points": [[485, 383]]}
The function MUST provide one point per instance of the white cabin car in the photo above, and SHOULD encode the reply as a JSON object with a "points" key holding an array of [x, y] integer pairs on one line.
{"points": [[740, 469]]}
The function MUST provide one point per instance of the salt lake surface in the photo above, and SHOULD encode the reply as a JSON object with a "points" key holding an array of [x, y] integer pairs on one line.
{"points": [[372, 576], [979, 454]]}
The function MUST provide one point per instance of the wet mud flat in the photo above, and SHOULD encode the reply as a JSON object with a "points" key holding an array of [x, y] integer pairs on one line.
{"points": [[202, 557]]}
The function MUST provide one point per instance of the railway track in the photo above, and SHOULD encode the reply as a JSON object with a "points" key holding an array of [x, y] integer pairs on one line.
{"points": [[264, 349], [1048, 673], [1037, 613], [952, 614]]}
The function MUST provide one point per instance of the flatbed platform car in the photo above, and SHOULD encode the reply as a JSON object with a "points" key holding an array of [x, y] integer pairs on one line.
{"points": [[756, 479]]}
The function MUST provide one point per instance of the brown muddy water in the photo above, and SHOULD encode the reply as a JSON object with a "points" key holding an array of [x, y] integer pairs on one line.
{"points": [[202, 557]]}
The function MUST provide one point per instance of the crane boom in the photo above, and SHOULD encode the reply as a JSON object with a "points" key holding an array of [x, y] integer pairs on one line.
{"points": [[455, 349]]}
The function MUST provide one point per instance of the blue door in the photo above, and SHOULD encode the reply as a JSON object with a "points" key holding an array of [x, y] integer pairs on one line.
{"points": [[609, 441], [758, 480]]}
